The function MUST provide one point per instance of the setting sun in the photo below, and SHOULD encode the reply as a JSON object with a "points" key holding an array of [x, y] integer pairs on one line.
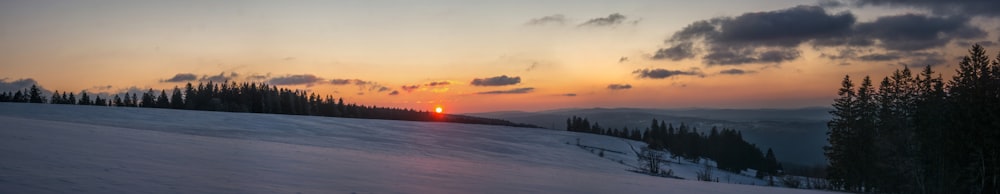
{"points": [[438, 109]]}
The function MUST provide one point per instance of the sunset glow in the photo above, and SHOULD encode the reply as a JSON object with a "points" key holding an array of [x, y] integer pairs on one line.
{"points": [[438, 109], [479, 56]]}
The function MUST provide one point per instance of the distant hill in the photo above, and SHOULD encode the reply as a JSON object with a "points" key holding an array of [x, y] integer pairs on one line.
{"points": [[795, 134]]}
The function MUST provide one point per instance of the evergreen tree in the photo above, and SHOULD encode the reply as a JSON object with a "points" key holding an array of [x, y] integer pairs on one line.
{"points": [[162, 101], [118, 101], [71, 99], [85, 99], [843, 171], [56, 98], [19, 97], [35, 95], [176, 99]]}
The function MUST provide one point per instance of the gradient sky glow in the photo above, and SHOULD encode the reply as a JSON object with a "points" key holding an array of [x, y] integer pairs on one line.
{"points": [[428, 53]]}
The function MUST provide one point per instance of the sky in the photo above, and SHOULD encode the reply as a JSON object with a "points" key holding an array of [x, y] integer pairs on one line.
{"points": [[479, 56]]}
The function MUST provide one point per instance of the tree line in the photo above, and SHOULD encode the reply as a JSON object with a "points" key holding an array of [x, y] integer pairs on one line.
{"points": [[247, 97], [918, 134], [726, 146]]}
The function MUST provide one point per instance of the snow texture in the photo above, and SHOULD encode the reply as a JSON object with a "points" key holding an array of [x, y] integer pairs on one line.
{"points": [[47, 148]]}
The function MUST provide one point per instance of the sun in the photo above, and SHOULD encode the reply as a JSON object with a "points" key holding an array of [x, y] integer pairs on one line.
{"points": [[438, 109]]}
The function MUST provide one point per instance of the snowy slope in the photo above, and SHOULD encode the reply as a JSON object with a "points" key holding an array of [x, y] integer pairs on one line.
{"points": [[73, 149]]}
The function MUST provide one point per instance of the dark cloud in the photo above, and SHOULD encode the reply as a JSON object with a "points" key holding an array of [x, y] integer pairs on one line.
{"points": [[782, 28], [496, 81], [677, 52], [619, 86], [830, 3], [737, 56], [410, 88], [568, 94], [347, 81], [362, 84], [775, 36], [622, 60], [661, 73], [182, 77], [222, 77], [438, 83], [611, 20], [307, 79], [511, 91], [943, 7], [967, 44], [880, 57], [912, 32], [758, 37], [394, 92], [735, 72], [557, 19], [258, 77]]}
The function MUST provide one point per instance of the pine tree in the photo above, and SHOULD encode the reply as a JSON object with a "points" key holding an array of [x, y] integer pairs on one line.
{"points": [[842, 171], [973, 93], [162, 101], [35, 95], [118, 101], [85, 99], [177, 99]]}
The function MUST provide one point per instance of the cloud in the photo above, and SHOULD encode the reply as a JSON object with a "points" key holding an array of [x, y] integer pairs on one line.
{"points": [[619, 86], [677, 52], [931, 59], [511, 91], [830, 3], [307, 79], [623, 59], [182, 77], [362, 84], [967, 44], [758, 37], [611, 20], [736, 72], [942, 7], [775, 36], [394, 92], [662, 73], [258, 77], [438, 83], [912, 32], [737, 56], [557, 19], [347, 81], [20, 85], [104, 87], [880, 57], [496, 81], [410, 88], [568, 94], [222, 77]]}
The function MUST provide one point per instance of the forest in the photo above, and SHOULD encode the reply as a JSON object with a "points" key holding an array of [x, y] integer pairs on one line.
{"points": [[726, 146], [247, 97], [919, 133]]}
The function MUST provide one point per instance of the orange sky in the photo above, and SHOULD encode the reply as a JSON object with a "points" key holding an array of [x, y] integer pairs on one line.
{"points": [[568, 61]]}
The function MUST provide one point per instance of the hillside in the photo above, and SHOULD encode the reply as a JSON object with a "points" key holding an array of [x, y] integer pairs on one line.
{"points": [[50, 148], [796, 135]]}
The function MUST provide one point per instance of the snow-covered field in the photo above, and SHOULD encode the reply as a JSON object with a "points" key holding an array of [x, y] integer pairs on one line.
{"points": [[48, 148]]}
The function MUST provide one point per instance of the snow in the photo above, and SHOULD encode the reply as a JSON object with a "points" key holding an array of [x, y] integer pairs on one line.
{"points": [[48, 148]]}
